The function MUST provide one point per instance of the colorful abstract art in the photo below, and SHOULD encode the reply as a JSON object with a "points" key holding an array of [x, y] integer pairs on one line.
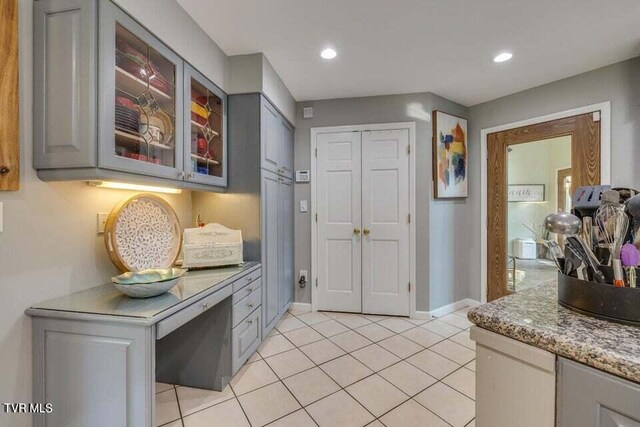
{"points": [[449, 156]]}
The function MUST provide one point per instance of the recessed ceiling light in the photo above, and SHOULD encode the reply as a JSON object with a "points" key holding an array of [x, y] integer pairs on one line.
{"points": [[328, 53], [504, 56]]}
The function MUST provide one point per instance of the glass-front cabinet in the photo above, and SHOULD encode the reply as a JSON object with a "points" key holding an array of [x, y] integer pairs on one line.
{"points": [[205, 134], [140, 90]]}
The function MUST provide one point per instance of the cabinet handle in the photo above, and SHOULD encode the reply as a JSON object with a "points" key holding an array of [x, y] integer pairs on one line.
{"points": [[250, 305], [192, 175], [205, 306], [181, 174], [248, 279], [249, 290], [366, 231], [250, 322]]}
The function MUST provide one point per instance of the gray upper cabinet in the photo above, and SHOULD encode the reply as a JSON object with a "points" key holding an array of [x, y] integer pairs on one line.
{"points": [[276, 141], [205, 105], [112, 102], [588, 397], [286, 149]]}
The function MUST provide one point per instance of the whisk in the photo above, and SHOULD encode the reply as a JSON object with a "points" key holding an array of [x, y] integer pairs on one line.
{"points": [[612, 224]]}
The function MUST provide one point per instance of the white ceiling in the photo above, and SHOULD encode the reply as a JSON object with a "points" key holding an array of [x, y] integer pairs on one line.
{"points": [[440, 46]]}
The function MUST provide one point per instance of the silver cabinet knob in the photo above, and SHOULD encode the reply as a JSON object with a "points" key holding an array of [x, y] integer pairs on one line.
{"points": [[250, 305], [192, 175], [182, 174], [205, 306], [250, 322], [249, 290]]}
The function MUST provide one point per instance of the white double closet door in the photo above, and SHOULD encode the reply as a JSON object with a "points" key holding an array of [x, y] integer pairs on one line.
{"points": [[363, 221]]}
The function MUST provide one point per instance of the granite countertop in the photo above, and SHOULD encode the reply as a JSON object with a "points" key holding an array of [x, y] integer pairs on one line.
{"points": [[534, 316]]}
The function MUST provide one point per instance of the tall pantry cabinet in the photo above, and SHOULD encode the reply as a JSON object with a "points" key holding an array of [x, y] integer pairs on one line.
{"points": [[259, 199]]}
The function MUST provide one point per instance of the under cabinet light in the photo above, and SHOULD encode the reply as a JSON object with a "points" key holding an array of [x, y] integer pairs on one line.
{"points": [[134, 187]]}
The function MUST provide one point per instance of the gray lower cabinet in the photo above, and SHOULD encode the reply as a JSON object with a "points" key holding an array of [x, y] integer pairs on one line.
{"points": [[97, 354], [588, 397], [110, 102], [270, 247], [285, 248]]}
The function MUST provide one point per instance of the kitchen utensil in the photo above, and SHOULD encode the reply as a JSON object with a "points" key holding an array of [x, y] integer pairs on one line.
{"points": [[555, 251], [630, 255], [581, 249], [587, 231], [143, 232], [633, 209], [631, 276], [606, 217], [562, 223]]}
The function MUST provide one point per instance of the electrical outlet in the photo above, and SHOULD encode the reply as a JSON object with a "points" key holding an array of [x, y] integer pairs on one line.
{"points": [[303, 273], [102, 221]]}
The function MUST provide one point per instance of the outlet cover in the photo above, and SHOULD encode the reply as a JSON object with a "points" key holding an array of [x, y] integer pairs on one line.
{"points": [[102, 220]]}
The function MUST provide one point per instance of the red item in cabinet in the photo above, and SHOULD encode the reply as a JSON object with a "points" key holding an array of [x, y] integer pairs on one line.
{"points": [[203, 146]]}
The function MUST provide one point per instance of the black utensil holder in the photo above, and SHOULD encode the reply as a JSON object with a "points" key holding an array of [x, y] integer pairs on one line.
{"points": [[594, 299]]}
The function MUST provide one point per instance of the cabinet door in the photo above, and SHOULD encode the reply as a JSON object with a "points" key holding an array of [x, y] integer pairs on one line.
{"points": [[591, 398], [286, 149], [205, 135], [140, 99], [270, 236], [285, 243], [270, 137]]}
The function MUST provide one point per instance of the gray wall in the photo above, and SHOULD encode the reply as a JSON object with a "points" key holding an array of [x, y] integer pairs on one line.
{"points": [[49, 246], [618, 83], [441, 225]]}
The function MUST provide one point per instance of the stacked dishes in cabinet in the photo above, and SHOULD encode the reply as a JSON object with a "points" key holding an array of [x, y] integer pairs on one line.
{"points": [[206, 131], [145, 102]]}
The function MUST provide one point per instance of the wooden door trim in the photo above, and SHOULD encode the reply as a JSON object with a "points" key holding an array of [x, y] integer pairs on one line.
{"points": [[411, 126], [603, 108], [9, 98], [585, 164]]}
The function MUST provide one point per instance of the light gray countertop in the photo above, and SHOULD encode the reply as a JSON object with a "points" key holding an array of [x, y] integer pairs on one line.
{"points": [[534, 316], [107, 302]]}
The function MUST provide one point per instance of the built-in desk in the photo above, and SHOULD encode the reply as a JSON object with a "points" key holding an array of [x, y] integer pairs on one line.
{"points": [[97, 353]]}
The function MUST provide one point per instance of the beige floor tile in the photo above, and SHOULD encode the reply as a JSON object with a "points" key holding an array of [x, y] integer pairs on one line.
{"points": [[463, 311], [322, 351], [464, 339], [334, 314], [268, 404], [376, 423], [160, 387], [252, 376], [303, 336], [176, 423], [273, 333], [376, 394], [274, 345], [166, 407], [196, 399], [289, 363], [375, 357], [374, 317], [471, 365], [313, 317], [353, 322], [311, 385], [407, 378], [464, 381], [374, 332], [412, 414], [454, 351], [441, 328], [423, 337], [300, 418], [225, 414], [457, 321], [289, 324], [472, 423], [339, 409], [346, 370], [395, 324], [450, 405], [433, 364], [296, 311], [254, 357], [350, 341], [330, 328], [418, 321], [400, 346]]}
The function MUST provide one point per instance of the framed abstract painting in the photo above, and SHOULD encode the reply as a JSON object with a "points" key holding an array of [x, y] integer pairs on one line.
{"points": [[449, 156]]}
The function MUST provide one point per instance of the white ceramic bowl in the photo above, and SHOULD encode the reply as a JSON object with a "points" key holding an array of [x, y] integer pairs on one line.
{"points": [[147, 283]]}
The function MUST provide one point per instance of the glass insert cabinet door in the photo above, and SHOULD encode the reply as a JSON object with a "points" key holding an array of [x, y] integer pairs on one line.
{"points": [[141, 92], [205, 134]]}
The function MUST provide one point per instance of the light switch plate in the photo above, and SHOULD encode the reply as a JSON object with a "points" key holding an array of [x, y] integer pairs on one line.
{"points": [[102, 220], [304, 206]]}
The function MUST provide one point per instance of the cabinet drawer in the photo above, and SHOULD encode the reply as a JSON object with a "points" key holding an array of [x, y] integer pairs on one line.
{"points": [[247, 290], [244, 307], [244, 281], [173, 322], [245, 340]]}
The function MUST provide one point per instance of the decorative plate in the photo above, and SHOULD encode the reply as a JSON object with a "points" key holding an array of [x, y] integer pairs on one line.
{"points": [[143, 232]]}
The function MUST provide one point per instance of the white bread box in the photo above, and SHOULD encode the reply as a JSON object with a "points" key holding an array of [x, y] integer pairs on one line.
{"points": [[213, 245]]}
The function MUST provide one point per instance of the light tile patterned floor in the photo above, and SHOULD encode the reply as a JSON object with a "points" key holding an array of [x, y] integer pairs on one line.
{"points": [[341, 370]]}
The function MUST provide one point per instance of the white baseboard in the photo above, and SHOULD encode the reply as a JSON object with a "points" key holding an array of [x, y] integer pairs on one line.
{"points": [[422, 315], [300, 306], [450, 308]]}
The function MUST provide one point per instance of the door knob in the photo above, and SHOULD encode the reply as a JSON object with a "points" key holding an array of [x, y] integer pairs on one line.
{"points": [[356, 231], [366, 231]]}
